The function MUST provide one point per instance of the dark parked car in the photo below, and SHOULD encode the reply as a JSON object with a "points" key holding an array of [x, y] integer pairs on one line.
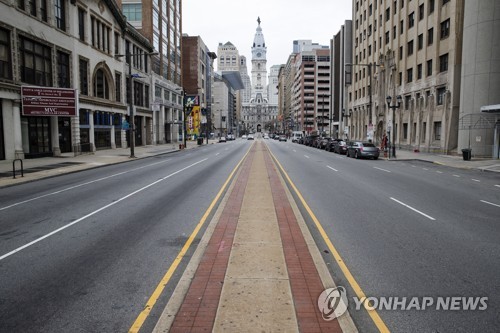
{"points": [[316, 142], [340, 147], [310, 139], [331, 143], [360, 149], [323, 142]]}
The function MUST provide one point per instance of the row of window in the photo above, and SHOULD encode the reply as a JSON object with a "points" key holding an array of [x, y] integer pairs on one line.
{"points": [[421, 9], [440, 96], [35, 67], [444, 33]]}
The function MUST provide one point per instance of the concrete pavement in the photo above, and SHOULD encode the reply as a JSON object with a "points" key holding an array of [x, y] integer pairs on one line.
{"points": [[482, 164], [38, 168]]}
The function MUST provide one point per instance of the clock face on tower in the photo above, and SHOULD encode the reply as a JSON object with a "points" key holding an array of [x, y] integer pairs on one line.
{"points": [[258, 54]]}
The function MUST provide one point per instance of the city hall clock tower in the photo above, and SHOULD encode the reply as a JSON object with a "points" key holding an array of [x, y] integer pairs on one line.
{"points": [[259, 63]]}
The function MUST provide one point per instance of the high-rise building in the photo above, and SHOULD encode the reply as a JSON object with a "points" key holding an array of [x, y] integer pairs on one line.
{"points": [[161, 23], [310, 92], [479, 118], [197, 76], [409, 51], [245, 93], [341, 53]]}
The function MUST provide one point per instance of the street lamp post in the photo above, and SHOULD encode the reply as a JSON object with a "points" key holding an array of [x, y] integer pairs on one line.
{"points": [[393, 107], [128, 57]]}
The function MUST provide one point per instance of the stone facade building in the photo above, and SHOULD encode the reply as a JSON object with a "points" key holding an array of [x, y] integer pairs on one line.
{"points": [[78, 46], [411, 49], [259, 115]]}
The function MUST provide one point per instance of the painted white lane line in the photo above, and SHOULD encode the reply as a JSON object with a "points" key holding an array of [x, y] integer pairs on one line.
{"points": [[98, 210], [331, 168], [217, 154], [425, 169], [476, 180], [294, 151], [456, 176], [415, 210], [489, 203], [439, 171], [382, 169], [82, 184], [306, 156], [497, 185]]}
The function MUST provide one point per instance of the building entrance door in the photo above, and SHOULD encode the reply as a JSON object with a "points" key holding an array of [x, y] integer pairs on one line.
{"points": [[39, 137], [64, 124]]}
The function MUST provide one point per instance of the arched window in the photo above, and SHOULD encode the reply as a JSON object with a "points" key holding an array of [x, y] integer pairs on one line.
{"points": [[101, 85]]}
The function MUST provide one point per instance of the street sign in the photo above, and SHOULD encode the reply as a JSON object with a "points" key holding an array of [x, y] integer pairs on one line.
{"points": [[47, 101], [125, 125]]}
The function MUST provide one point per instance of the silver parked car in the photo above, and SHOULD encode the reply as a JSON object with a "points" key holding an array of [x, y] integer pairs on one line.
{"points": [[359, 149]]}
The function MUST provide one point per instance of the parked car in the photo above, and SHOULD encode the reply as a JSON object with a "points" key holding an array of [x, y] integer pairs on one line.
{"points": [[310, 139], [250, 137], [340, 147], [282, 138], [230, 137], [331, 144], [266, 136], [222, 139], [323, 142], [244, 137], [316, 142], [358, 149]]}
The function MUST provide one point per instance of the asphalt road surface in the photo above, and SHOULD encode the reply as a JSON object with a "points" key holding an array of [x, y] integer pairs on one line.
{"points": [[405, 229], [84, 252]]}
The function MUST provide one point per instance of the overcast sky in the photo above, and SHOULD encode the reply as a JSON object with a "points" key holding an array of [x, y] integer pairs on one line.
{"points": [[282, 22]]}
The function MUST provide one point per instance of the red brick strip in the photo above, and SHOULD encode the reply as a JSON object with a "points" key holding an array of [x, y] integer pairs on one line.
{"points": [[304, 278], [199, 308]]}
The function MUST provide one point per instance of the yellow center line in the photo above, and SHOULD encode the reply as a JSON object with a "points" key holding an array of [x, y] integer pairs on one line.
{"points": [[352, 281], [139, 321]]}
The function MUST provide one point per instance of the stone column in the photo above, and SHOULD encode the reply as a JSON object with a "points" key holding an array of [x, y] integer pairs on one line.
{"points": [[113, 142], [18, 141], [54, 135], [91, 131]]}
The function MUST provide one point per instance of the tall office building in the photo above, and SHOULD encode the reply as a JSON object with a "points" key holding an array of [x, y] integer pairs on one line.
{"points": [[161, 23], [310, 90], [411, 49]]}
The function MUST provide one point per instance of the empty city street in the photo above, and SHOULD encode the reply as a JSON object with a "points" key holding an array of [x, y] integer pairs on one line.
{"points": [[405, 229], [90, 251]]}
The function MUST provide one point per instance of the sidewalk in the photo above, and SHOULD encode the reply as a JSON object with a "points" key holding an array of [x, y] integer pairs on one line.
{"points": [[257, 268], [38, 168], [482, 164]]}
